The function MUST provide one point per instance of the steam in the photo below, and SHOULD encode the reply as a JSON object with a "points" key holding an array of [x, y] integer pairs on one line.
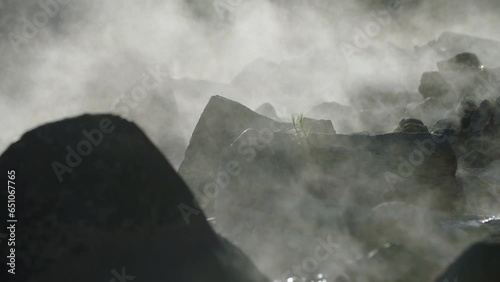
{"points": [[89, 53]]}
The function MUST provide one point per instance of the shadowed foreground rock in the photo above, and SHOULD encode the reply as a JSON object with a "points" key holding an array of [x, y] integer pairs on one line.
{"points": [[114, 217], [479, 263]]}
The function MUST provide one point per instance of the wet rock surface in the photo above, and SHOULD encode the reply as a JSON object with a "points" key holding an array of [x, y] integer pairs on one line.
{"points": [[113, 211]]}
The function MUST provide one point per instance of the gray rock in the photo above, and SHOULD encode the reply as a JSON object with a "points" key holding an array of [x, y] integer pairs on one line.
{"points": [[460, 62], [481, 118], [433, 84], [411, 125], [221, 122], [465, 109]]}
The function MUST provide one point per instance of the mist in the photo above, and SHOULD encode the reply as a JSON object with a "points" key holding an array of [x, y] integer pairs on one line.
{"points": [[65, 58]]}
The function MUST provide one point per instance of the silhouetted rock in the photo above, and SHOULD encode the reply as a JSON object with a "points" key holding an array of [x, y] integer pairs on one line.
{"points": [[479, 263], [460, 63], [481, 118], [411, 125], [221, 122], [433, 84], [464, 110], [97, 201]]}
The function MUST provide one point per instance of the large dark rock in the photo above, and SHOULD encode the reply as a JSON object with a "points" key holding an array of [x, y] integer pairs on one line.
{"points": [[479, 263], [115, 212], [460, 63], [221, 122]]}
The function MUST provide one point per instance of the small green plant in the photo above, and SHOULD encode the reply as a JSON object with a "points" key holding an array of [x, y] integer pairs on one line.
{"points": [[300, 129]]}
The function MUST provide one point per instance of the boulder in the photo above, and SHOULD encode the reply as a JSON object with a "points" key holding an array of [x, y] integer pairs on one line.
{"points": [[464, 110], [342, 117], [411, 125], [96, 200], [481, 118], [479, 263], [460, 63], [221, 122], [433, 84]]}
